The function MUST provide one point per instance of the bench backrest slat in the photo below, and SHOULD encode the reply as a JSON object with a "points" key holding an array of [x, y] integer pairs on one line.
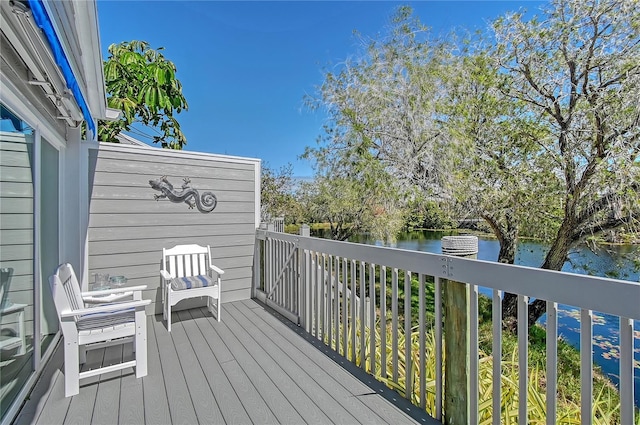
{"points": [[186, 260]]}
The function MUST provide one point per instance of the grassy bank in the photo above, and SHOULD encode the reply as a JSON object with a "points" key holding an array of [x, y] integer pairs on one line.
{"points": [[606, 403]]}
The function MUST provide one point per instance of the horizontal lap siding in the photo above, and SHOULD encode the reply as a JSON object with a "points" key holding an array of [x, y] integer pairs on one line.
{"points": [[16, 224], [128, 228]]}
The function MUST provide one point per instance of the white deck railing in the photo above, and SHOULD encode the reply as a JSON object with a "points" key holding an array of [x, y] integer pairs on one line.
{"points": [[291, 274]]}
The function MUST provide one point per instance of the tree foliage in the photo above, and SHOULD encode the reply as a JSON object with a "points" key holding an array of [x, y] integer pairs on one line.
{"points": [[578, 71], [534, 126], [383, 105], [278, 194], [353, 197], [142, 83]]}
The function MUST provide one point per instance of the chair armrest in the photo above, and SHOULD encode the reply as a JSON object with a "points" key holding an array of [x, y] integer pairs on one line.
{"points": [[165, 275], [216, 269], [113, 291], [110, 308], [107, 298]]}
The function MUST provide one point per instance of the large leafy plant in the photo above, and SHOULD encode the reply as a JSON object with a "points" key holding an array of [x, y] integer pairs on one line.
{"points": [[142, 83]]}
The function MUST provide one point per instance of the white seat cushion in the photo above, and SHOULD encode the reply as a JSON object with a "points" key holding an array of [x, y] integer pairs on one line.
{"points": [[190, 282]]}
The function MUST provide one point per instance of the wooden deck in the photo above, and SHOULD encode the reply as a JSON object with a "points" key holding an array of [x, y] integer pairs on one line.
{"points": [[253, 367]]}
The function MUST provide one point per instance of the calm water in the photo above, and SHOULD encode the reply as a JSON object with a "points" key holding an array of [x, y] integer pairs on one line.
{"points": [[618, 262]]}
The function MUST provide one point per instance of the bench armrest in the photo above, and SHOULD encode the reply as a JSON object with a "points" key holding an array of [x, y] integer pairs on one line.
{"points": [[165, 275], [113, 291], [216, 269], [110, 308]]}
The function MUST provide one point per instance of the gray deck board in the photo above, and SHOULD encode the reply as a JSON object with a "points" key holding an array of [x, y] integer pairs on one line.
{"points": [[206, 407], [40, 394], [223, 393], [108, 396], [180, 404], [252, 367], [257, 409], [334, 384], [277, 402], [156, 406], [55, 409], [81, 407], [291, 386], [318, 356], [284, 354], [131, 392]]}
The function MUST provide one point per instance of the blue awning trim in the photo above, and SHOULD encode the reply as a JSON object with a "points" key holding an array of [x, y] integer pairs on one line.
{"points": [[43, 21]]}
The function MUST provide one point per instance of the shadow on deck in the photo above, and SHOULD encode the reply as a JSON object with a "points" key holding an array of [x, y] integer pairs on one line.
{"points": [[253, 367]]}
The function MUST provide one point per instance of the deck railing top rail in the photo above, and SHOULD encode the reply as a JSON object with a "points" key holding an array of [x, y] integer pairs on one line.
{"points": [[605, 295]]}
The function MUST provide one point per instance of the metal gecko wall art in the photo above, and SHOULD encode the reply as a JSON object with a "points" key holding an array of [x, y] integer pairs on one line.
{"points": [[205, 203]]}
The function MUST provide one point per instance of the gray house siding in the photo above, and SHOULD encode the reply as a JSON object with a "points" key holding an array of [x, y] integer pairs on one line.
{"points": [[16, 225], [128, 228]]}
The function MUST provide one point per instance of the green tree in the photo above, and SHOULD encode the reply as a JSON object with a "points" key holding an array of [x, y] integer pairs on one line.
{"points": [[537, 133], [354, 194], [384, 105], [277, 192], [577, 69], [502, 174], [142, 83]]}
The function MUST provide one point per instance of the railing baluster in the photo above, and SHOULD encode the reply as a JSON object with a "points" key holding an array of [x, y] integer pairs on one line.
{"points": [[407, 336], [288, 287], [383, 321], [626, 371], [282, 272], [473, 355], [322, 295], [276, 270], [422, 329], [352, 286], [344, 317], [394, 324], [586, 366], [268, 265], [307, 291], [293, 288], [438, 330], [336, 304], [313, 293], [362, 317], [286, 283], [295, 280], [523, 354], [372, 318], [552, 361], [496, 350], [329, 301]]}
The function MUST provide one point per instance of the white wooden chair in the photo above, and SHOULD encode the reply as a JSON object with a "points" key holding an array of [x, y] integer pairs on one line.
{"points": [[86, 327], [8, 308], [187, 272]]}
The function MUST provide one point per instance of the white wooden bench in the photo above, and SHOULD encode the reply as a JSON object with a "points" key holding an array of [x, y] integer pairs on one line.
{"points": [[187, 272]]}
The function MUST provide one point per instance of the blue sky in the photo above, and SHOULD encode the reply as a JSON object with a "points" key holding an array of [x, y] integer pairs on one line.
{"points": [[245, 66]]}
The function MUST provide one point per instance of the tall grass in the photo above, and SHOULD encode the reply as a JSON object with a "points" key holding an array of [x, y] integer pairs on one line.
{"points": [[606, 404]]}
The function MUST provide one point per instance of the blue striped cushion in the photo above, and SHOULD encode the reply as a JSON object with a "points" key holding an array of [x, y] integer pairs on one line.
{"points": [[103, 320], [190, 282]]}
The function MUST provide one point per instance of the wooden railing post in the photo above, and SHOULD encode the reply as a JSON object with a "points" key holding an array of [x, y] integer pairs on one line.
{"points": [[457, 388]]}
